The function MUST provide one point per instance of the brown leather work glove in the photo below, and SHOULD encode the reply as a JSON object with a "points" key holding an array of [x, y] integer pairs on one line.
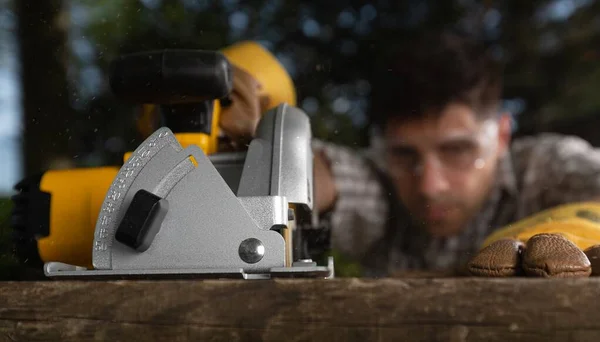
{"points": [[543, 255], [563, 241]]}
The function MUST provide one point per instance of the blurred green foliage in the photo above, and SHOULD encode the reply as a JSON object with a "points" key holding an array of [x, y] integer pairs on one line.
{"points": [[550, 48], [330, 49]]}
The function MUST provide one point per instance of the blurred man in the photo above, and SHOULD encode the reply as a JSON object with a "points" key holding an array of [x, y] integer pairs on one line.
{"points": [[443, 174]]}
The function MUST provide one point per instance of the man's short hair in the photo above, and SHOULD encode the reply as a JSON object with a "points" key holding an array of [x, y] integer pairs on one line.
{"points": [[427, 73]]}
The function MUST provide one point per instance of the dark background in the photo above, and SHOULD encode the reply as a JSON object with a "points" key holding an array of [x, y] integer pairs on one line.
{"points": [[70, 119]]}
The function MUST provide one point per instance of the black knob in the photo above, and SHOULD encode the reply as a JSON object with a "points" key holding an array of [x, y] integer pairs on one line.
{"points": [[142, 220]]}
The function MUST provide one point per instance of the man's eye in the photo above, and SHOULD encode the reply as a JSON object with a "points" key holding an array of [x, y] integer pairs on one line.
{"points": [[403, 155]]}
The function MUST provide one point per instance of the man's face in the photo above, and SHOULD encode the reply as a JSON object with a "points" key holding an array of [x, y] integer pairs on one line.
{"points": [[444, 165]]}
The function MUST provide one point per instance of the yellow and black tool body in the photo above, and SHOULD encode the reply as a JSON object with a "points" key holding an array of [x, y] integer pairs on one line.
{"points": [[55, 212], [174, 212]]}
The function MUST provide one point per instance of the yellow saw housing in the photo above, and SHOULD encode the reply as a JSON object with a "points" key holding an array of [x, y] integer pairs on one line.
{"points": [[77, 194], [578, 222]]}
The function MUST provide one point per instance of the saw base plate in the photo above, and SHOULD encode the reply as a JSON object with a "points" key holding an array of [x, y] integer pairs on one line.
{"points": [[309, 269]]}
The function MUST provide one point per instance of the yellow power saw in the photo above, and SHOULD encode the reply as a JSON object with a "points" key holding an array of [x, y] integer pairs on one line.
{"points": [[178, 207]]}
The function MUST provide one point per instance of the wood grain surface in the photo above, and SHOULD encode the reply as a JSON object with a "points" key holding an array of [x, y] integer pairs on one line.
{"points": [[408, 309]]}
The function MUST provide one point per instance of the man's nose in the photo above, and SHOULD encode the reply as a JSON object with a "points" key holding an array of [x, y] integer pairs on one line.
{"points": [[432, 179]]}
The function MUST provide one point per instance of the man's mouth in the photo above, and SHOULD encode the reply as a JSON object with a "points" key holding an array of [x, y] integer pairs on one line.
{"points": [[437, 212]]}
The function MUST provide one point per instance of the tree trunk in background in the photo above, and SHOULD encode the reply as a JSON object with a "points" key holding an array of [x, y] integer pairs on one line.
{"points": [[47, 113]]}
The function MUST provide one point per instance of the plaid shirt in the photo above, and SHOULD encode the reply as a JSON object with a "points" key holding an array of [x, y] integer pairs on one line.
{"points": [[370, 226]]}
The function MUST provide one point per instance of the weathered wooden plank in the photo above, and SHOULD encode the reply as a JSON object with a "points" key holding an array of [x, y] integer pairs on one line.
{"points": [[449, 309]]}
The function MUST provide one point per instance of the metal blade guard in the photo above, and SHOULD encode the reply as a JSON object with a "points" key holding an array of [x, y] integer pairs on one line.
{"points": [[170, 214]]}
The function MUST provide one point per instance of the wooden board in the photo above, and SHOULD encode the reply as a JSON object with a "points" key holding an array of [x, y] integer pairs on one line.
{"points": [[448, 309]]}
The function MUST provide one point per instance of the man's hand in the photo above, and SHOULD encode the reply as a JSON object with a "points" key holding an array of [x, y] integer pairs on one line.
{"points": [[239, 120], [544, 255]]}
